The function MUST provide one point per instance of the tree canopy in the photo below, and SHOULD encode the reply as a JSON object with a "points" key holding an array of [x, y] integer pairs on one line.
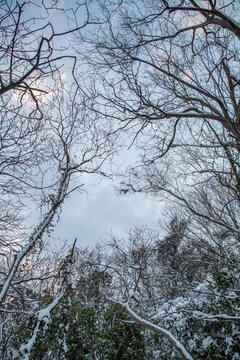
{"points": [[77, 83]]}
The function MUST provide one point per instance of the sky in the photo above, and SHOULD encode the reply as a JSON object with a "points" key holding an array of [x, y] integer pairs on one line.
{"points": [[90, 217]]}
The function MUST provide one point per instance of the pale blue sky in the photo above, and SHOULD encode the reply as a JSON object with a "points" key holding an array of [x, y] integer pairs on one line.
{"points": [[89, 217]]}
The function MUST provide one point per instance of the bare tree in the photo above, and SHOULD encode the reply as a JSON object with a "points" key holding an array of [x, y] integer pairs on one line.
{"points": [[169, 74], [28, 52], [73, 144], [44, 315], [31, 69], [47, 142]]}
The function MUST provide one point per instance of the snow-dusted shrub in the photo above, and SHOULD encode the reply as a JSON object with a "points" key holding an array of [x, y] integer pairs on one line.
{"points": [[207, 319]]}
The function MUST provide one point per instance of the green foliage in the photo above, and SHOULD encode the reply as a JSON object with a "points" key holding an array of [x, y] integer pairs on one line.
{"points": [[224, 288], [76, 332], [220, 279], [198, 320], [120, 340], [71, 334]]}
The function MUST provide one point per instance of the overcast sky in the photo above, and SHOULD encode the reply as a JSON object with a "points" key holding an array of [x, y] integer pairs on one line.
{"points": [[90, 216]]}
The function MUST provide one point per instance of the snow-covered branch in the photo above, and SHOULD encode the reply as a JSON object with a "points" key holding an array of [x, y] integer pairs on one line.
{"points": [[37, 233], [159, 330], [203, 316], [44, 315]]}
